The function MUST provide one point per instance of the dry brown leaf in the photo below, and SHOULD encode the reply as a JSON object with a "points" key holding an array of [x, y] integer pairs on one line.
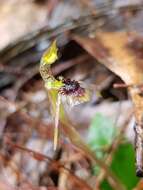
{"points": [[113, 50]]}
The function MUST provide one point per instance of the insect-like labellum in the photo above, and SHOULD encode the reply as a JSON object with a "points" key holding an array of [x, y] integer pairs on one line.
{"points": [[72, 87], [68, 88], [74, 93]]}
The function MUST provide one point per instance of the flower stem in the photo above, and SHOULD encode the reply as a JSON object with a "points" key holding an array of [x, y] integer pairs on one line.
{"points": [[75, 138]]}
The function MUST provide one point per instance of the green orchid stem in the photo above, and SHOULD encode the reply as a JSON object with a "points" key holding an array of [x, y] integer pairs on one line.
{"points": [[75, 138]]}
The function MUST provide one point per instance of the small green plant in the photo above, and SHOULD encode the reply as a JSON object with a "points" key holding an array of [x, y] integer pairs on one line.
{"points": [[68, 89]]}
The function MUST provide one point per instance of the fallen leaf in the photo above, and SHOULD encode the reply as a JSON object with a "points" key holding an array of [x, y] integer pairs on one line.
{"points": [[112, 50]]}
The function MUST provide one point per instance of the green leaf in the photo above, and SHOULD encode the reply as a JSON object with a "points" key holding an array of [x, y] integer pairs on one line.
{"points": [[101, 132], [123, 166], [100, 135]]}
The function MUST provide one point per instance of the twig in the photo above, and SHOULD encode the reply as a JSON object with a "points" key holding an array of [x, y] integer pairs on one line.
{"points": [[56, 164], [63, 176]]}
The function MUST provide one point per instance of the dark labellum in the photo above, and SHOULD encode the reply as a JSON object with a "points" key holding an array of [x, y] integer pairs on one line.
{"points": [[72, 88]]}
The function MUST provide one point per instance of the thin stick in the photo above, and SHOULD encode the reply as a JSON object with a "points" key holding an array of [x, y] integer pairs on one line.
{"points": [[121, 85], [139, 150]]}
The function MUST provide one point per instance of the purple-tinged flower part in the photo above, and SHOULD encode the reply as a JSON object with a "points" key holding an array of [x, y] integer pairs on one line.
{"points": [[73, 92]]}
